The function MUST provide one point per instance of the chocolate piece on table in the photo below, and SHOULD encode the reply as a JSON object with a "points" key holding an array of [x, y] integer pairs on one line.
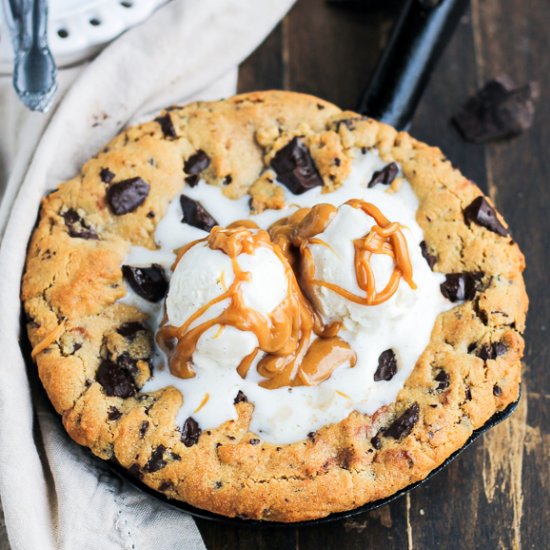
{"points": [[497, 111], [479, 211], [387, 366], [148, 282], [295, 167], [167, 126], [385, 176], [195, 214], [460, 286], [127, 195]]}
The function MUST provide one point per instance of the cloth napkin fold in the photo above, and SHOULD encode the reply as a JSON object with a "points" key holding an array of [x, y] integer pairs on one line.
{"points": [[54, 495]]}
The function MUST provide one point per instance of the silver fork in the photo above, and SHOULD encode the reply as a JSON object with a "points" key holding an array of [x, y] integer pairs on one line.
{"points": [[34, 72]]}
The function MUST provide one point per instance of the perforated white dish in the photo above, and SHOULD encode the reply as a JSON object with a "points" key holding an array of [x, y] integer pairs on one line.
{"points": [[79, 28]]}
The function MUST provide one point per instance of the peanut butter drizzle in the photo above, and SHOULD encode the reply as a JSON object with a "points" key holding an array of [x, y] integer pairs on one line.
{"points": [[284, 335], [48, 340], [385, 237]]}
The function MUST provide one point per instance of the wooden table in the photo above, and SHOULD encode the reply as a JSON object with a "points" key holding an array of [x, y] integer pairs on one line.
{"points": [[496, 495]]}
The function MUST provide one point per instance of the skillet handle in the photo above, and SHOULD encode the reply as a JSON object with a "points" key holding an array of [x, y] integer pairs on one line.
{"points": [[416, 42]]}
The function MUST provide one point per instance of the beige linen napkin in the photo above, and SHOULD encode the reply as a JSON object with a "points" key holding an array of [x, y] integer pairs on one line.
{"points": [[54, 495]]}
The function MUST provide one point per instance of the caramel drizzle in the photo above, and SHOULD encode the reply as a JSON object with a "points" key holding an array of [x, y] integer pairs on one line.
{"points": [[292, 357], [284, 335], [385, 237], [48, 340]]}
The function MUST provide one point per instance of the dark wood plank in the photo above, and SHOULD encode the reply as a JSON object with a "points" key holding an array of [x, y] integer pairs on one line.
{"points": [[265, 68], [452, 82], [333, 48], [222, 537], [511, 37]]}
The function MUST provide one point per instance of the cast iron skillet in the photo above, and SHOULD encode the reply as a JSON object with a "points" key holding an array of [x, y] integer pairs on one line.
{"points": [[419, 36], [203, 514], [39, 392]]}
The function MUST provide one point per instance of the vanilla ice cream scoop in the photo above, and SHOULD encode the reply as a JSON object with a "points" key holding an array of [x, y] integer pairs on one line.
{"points": [[203, 287], [331, 269]]}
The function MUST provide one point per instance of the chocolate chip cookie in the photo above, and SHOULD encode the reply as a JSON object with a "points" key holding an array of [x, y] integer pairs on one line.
{"points": [[402, 373]]}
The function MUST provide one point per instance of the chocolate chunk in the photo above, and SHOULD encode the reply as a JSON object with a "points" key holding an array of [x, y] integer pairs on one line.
{"points": [[430, 258], [460, 286], [106, 175], [376, 442], [166, 485], [387, 366], [129, 330], [241, 398], [156, 461], [196, 163], [491, 351], [295, 167], [349, 123], [472, 347], [190, 432], [384, 176], [485, 352], [143, 428], [148, 282], [499, 110], [192, 180], [499, 348], [254, 441], [482, 213], [125, 196], [403, 425], [497, 391], [116, 378], [78, 228], [311, 435], [218, 485], [443, 378], [129, 363], [468, 394], [195, 214], [114, 413], [167, 126], [135, 471]]}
